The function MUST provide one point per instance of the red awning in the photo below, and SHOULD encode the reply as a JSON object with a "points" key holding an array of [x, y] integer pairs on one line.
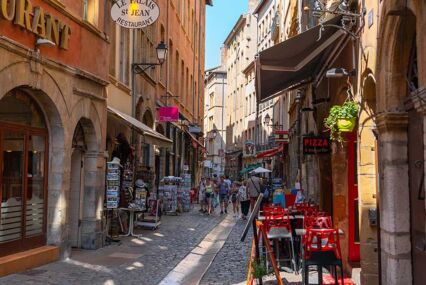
{"points": [[270, 153]]}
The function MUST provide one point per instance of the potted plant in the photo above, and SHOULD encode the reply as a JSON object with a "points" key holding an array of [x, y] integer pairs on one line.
{"points": [[342, 118]]}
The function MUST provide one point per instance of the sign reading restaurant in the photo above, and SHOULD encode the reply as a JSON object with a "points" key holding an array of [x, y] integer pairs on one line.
{"points": [[36, 20], [134, 14]]}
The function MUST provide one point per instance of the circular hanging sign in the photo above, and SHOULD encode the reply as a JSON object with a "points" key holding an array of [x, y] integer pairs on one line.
{"points": [[134, 14]]}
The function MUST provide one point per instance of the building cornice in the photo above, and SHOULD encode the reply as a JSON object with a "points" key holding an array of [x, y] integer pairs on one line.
{"points": [[237, 27]]}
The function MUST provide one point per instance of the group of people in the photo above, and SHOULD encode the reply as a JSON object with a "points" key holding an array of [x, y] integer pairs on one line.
{"points": [[222, 191]]}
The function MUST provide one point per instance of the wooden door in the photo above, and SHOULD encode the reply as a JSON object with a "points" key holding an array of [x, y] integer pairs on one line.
{"points": [[23, 183], [353, 210]]}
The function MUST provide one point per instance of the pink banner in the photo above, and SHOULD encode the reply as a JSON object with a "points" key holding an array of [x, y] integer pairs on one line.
{"points": [[168, 114]]}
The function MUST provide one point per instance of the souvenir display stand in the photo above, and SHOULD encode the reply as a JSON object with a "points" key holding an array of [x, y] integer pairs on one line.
{"points": [[112, 197], [168, 194], [150, 215], [184, 193]]}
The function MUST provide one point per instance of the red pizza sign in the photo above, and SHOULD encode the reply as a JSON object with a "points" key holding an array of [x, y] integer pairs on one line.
{"points": [[316, 145]]}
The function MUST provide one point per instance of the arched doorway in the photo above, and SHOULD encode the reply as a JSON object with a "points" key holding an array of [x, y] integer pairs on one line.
{"points": [[82, 205], [23, 173]]}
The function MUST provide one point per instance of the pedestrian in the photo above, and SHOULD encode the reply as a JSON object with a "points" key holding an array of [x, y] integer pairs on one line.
{"points": [[223, 191], [244, 199], [202, 196], [209, 195], [254, 185], [234, 199]]}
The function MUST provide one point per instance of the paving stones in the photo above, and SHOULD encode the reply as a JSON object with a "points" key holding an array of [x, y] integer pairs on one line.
{"points": [[143, 261]]}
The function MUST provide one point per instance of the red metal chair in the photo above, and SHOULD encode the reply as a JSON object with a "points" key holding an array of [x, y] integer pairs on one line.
{"points": [[278, 226], [322, 248], [323, 223]]}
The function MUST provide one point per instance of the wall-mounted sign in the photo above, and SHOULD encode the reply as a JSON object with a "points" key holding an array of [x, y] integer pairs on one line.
{"points": [[168, 114], [135, 14], [194, 129], [36, 20], [249, 148], [316, 145], [281, 137]]}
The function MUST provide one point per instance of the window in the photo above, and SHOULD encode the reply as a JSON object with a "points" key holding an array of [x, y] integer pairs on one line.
{"points": [[211, 123], [90, 11], [124, 64], [211, 100]]}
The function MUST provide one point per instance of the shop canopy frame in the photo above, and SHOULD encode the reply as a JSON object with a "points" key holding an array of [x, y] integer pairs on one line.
{"points": [[151, 136], [271, 152], [300, 60]]}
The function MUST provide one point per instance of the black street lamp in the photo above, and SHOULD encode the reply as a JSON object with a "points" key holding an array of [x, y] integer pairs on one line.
{"points": [[268, 120], [162, 50]]}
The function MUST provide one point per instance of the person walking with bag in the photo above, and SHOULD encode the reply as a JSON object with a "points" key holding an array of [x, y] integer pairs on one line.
{"points": [[254, 185], [208, 192], [244, 199]]}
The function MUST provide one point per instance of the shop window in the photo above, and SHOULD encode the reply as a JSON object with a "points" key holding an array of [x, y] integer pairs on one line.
{"points": [[146, 152], [90, 11]]}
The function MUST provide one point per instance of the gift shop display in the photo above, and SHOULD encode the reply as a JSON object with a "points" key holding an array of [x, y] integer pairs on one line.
{"points": [[113, 183], [184, 193], [168, 193]]}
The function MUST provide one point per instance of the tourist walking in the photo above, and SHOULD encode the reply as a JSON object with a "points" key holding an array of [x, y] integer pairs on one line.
{"points": [[209, 195], [244, 199], [202, 196], [223, 190], [254, 185], [234, 199]]}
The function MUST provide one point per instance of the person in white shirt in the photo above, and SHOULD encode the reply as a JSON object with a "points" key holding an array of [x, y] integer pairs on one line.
{"points": [[244, 199]]}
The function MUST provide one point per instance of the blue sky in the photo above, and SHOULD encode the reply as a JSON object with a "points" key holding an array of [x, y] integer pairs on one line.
{"points": [[220, 20]]}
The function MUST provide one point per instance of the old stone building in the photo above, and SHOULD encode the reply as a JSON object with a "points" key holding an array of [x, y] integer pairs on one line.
{"points": [[52, 104]]}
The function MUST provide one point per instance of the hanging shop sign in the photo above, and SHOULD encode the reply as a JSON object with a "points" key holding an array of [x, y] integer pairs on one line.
{"points": [[316, 145], [135, 14], [168, 114], [194, 129], [281, 137], [36, 20], [249, 148]]}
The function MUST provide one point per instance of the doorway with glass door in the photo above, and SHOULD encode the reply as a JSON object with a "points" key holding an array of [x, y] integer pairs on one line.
{"points": [[23, 174]]}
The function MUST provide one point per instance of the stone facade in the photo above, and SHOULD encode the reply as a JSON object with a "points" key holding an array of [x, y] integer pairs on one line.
{"points": [[69, 91]]}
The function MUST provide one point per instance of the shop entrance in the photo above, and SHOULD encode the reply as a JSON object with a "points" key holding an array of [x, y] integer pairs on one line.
{"points": [[23, 174], [353, 203], [77, 186]]}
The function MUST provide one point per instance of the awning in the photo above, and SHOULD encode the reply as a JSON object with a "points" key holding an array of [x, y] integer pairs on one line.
{"points": [[271, 152], [151, 136], [194, 140], [250, 168], [299, 60]]}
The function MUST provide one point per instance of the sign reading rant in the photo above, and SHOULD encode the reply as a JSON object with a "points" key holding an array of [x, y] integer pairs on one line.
{"points": [[316, 145], [36, 20], [134, 14]]}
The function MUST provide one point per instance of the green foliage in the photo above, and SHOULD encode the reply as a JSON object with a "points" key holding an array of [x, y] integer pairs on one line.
{"points": [[348, 110], [259, 269]]}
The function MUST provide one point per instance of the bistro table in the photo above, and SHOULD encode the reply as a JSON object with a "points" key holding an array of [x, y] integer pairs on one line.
{"points": [[132, 213]]}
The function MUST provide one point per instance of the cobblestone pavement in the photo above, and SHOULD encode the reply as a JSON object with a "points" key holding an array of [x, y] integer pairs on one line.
{"points": [[144, 261], [230, 265]]}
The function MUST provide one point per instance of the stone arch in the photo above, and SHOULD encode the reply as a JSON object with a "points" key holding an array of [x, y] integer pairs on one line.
{"points": [[148, 118], [396, 35], [399, 29], [85, 188], [46, 92]]}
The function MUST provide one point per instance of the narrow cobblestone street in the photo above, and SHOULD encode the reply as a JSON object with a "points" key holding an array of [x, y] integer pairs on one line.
{"points": [[135, 261]]}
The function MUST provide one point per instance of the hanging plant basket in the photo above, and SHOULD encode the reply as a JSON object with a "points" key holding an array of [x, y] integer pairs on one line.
{"points": [[342, 119], [346, 125]]}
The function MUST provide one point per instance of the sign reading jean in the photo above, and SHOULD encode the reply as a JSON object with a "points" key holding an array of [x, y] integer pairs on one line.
{"points": [[134, 14]]}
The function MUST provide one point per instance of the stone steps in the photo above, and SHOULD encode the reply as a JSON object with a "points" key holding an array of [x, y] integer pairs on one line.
{"points": [[25, 260]]}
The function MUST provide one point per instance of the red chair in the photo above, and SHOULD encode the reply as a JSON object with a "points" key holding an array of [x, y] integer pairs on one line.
{"points": [[322, 248], [278, 226], [323, 223]]}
